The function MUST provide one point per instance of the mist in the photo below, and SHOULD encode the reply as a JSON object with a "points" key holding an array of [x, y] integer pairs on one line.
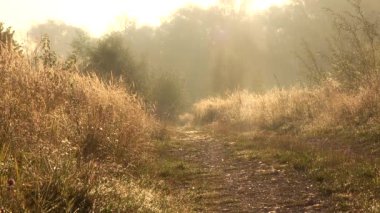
{"points": [[220, 48], [219, 106]]}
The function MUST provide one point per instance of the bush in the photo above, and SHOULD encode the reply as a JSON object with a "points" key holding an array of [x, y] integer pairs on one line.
{"points": [[110, 58], [353, 57], [167, 96]]}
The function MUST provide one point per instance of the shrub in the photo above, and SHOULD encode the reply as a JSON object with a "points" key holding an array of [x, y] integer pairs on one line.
{"points": [[110, 57], [353, 56], [167, 96]]}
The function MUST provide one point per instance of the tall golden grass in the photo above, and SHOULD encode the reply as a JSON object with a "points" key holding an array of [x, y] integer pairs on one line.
{"points": [[329, 133], [68, 141], [326, 108], [48, 106]]}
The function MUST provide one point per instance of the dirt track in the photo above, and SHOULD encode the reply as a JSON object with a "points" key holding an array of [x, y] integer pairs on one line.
{"points": [[227, 183]]}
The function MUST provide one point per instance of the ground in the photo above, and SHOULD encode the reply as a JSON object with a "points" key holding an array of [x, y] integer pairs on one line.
{"points": [[221, 178]]}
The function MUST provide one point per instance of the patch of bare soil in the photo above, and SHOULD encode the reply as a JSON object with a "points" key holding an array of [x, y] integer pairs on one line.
{"points": [[227, 183]]}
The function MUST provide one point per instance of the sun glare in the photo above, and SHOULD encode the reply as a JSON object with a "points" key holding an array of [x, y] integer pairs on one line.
{"points": [[98, 17], [260, 5]]}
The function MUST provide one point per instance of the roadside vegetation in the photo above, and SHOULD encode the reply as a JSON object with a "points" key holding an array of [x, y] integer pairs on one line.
{"points": [[95, 124], [329, 128], [71, 142]]}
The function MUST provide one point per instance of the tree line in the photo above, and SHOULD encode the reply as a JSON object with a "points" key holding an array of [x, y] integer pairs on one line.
{"points": [[200, 52]]}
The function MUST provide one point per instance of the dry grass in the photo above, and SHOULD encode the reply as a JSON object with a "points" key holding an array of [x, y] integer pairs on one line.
{"points": [[68, 142], [48, 106], [326, 132], [326, 108]]}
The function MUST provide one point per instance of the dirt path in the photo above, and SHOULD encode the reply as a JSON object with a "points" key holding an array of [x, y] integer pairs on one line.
{"points": [[227, 183]]}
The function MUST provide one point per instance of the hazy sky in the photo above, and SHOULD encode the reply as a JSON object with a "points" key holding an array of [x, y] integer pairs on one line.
{"points": [[101, 15]]}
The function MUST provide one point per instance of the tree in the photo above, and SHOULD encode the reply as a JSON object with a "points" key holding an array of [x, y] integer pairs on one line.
{"points": [[354, 49], [45, 53], [7, 41], [60, 34], [110, 57]]}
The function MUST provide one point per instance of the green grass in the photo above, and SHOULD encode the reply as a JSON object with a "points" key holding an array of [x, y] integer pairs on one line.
{"points": [[350, 179], [170, 167], [174, 175]]}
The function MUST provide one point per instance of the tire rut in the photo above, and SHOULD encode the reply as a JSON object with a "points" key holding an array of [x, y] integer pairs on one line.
{"points": [[226, 183]]}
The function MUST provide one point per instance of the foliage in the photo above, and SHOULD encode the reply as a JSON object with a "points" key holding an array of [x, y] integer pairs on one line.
{"points": [[45, 53], [110, 58], [60, 35], [213, 51], [167, 96], [224, 47], [354, 50], [7, 41]]}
